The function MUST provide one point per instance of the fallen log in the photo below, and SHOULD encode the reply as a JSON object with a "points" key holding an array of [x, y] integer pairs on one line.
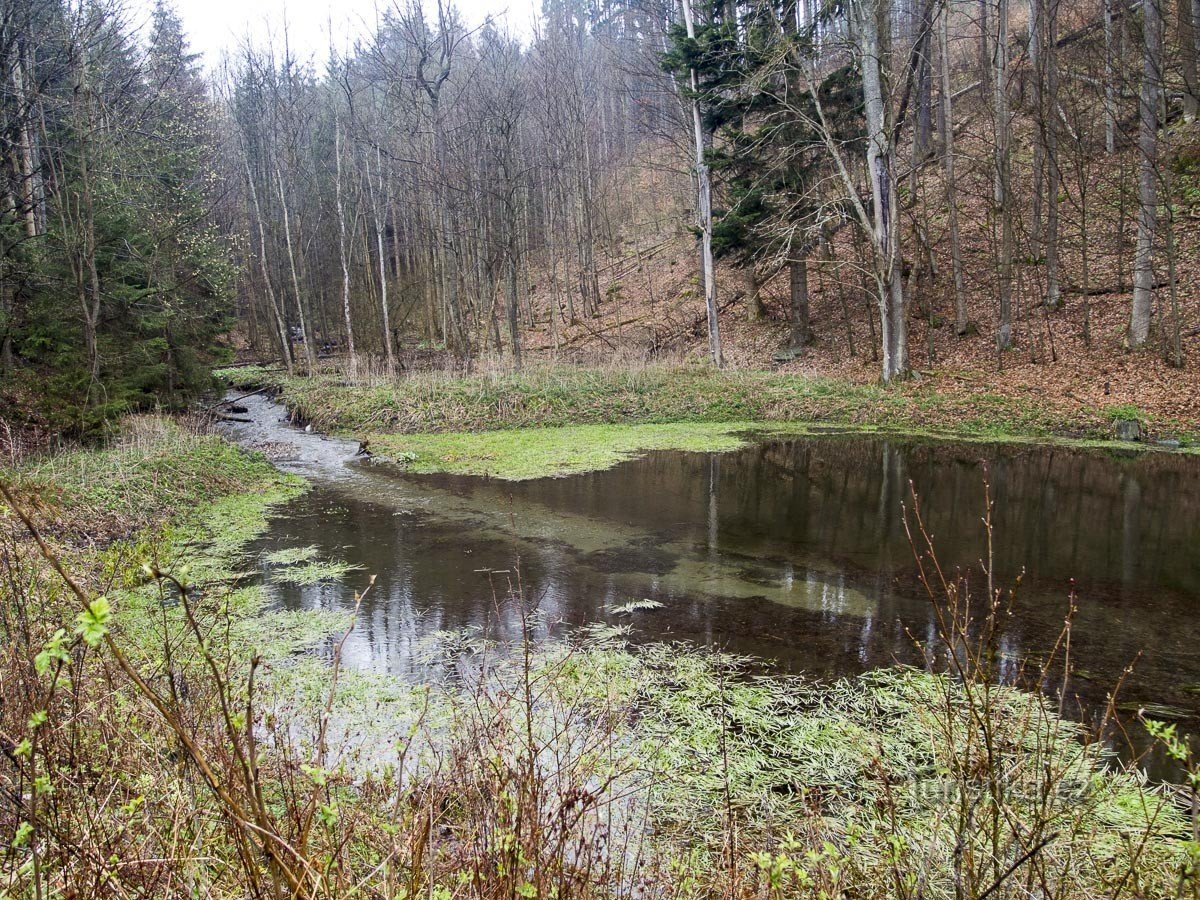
{"points": [[232, 400]]}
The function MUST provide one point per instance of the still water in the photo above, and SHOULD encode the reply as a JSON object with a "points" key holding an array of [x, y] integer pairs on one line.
{"points": [[790, 550]]}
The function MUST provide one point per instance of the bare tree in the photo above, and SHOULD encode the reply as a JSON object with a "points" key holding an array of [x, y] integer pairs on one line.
{"points": [[1148, 113], [708, 275]]}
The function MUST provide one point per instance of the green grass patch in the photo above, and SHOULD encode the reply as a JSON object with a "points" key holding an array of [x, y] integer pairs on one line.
{"points": [[153, 468], [188, 503], [519, 454], [314, 572]]}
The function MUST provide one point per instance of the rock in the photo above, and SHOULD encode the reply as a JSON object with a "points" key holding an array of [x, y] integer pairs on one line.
{"points": [[791, 353], [1171, 443], [1128, 429]]}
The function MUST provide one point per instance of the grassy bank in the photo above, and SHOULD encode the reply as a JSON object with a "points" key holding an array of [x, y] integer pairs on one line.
{"points": [[154, 469], [566, 420], [162, 494]]}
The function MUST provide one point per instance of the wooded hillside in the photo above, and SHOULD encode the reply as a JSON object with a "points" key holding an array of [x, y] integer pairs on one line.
{"points": [[999, 191]]}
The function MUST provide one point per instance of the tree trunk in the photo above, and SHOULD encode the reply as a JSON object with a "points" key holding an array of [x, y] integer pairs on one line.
{"points": [[285, 341], [875, 28], [704, 212], [449, 248], [342, 251], [1053, 175], [379, 205], [1188, 14], [947, 122], [798, 278], [309, 355], [1003, 174], [754, 304], [1110, 99], [1037, 29], [1143, 267]]}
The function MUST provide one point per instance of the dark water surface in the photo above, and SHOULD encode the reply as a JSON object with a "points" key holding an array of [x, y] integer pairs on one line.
{"points": [[792, 550]]}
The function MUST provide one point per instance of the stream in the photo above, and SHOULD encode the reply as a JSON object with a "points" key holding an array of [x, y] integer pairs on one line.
{"points": [[792, 550]]}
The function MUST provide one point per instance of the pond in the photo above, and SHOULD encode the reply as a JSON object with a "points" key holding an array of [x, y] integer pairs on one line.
{"points": [[792, 550]]}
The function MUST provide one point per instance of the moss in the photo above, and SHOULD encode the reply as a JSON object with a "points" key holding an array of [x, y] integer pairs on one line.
{"points": [[248, 377], [519, 454]]}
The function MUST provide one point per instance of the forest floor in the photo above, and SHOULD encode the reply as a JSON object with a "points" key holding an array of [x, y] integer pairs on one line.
{"points": [[652, 308]]}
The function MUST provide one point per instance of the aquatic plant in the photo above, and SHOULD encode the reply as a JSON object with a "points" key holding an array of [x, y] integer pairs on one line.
{"points": [[160, 737]]}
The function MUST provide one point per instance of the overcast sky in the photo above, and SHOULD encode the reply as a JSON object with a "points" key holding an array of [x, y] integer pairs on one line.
{"points": [[214, 26]]}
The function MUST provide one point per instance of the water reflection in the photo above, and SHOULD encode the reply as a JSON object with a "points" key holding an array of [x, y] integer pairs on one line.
{"points": [[794, 550]]}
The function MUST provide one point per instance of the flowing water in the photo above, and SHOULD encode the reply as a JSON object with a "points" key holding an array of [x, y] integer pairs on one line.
{"points": [[791, 550]]}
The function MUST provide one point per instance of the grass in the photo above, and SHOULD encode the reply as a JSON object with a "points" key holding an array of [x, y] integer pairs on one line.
{"points": [[564, 396], [167, 494], [153, 468], [843, 785], [559, 421], [518, 454]]}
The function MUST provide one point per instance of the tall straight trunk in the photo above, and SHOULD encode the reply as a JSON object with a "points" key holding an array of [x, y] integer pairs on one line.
{"points": [[1053, 175], [449, 248], [342, 250], [589, 283], [79, 221], [512, 253], [285, 341], [985, 41], [1148, 104], [513, 296], [1037, 28], [26, 171], [379, 203], [754, 304], [1003, 174], [875, 29], [922, 134], [1110, 97], [1188, 12], [947, 122], [798, 282], [310, 356], [704, 211]]}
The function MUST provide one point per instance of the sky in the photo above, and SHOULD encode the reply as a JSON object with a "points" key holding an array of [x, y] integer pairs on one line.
{"points": [[216, 26]]}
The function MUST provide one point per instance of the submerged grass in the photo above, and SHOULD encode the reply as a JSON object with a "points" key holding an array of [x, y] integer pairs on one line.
{"points": [[518, 454], [677, 769], [166, 494]]}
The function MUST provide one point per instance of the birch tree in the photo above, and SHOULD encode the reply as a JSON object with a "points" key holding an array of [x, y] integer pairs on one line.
{"points": [[708, 275], [1148, 124]]}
